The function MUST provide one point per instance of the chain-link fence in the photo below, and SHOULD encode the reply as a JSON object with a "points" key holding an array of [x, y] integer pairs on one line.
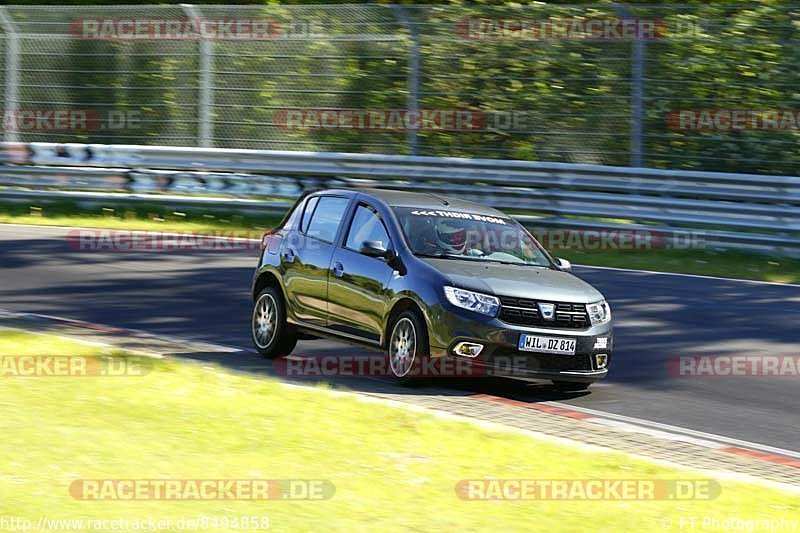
{"points": [[691, 87]]}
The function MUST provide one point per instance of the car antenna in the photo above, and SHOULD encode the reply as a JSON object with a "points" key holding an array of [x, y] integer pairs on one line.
{"points": [[444, 202]]}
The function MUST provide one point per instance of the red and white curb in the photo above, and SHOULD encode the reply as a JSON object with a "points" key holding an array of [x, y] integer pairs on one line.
{"points": [[629, 424]]}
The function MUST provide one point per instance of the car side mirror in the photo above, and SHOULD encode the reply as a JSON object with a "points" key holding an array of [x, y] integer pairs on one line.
{"points": [[375, 249], [563, 265]]}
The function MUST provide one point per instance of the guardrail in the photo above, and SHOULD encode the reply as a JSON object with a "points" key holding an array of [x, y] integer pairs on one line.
{"points": [[730, 210]]}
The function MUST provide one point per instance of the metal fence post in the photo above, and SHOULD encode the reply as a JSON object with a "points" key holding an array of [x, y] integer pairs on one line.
{"points": [[637, 103], [205, 104], [638, 55], [12, 69], [414, 63]]}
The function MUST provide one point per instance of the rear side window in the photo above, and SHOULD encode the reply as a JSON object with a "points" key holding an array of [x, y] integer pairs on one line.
{"points": [[307, 212], [366, 226], [326, 218]]}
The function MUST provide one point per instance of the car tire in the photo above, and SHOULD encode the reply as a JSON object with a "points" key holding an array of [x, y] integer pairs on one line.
{"points": [[271, 335], [571, 386], [407, 349]]}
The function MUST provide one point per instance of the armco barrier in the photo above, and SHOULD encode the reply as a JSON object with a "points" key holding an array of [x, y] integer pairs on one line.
{"points": [[731, 210]]}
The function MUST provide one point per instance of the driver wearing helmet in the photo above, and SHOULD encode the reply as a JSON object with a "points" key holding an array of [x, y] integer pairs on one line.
{"points": [[451, 238]]}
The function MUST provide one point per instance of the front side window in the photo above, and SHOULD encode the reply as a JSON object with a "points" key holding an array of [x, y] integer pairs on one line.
{"points": [[470, 236], [326, 217], [366, 226]]}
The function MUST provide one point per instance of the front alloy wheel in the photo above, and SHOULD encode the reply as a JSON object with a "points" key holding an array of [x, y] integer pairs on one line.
{"points": [[408, 349], [402, 347]]}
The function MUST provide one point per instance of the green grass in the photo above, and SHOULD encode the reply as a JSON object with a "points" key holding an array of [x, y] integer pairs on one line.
{"points": [[159, 218], [139, 217], [394, 469], [726, 264]]}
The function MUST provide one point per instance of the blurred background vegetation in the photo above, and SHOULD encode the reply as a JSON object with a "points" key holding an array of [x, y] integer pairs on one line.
{"points": [[575, 97]]}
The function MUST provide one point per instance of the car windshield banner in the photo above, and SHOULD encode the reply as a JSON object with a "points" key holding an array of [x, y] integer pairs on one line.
{"points": [[459, 215]]}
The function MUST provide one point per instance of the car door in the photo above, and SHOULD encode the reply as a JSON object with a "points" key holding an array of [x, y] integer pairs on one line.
{"points": [[306, 258], [358, 283]]}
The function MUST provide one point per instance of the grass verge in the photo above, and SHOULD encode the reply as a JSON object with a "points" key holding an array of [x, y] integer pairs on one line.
{"points": [[138, 217], [393, 469], [725, 264], [160, 218]]}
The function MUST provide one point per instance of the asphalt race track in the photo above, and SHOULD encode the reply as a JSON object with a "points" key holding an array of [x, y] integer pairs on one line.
{"points": [[205, 296]]}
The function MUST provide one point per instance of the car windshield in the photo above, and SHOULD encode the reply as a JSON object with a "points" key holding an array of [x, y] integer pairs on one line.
{"points": [[470, 236]]}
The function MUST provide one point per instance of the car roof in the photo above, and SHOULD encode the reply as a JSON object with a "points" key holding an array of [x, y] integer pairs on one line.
{"points": [[419, 200]]}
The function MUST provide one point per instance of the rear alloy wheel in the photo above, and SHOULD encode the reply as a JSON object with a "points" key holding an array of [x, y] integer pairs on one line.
{"points": [[571, 386], [271, 334], [408, 348]]}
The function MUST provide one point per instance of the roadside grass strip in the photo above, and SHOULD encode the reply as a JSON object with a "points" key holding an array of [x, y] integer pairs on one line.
{"points": [[391, 468]]}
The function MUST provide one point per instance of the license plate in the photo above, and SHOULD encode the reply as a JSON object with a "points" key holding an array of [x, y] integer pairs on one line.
{"points": [[557, 345]]}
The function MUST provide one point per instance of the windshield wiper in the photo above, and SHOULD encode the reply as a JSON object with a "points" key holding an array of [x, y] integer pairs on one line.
{"points": [[479, 259], [517, 263], [437, 256], [443, 255]]}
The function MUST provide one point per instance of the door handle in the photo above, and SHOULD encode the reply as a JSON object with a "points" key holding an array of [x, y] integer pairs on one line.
{"points": [[338, 269], [288, 255]]}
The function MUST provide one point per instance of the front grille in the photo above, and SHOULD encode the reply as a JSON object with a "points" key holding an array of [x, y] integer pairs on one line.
{"points": [[525, 312]]}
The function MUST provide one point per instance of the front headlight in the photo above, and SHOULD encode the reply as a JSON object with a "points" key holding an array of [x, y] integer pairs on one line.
{"points": [[599, 313], [474, 301]]}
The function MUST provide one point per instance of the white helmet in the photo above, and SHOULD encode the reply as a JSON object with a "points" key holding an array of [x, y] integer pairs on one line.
{"points": [[451, 238]]}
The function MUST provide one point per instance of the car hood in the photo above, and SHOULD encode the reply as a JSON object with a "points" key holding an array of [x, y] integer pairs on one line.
{"points": [[521, 281]]}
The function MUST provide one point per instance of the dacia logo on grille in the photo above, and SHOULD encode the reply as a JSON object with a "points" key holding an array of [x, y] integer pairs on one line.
{"points": [[548, 310]]}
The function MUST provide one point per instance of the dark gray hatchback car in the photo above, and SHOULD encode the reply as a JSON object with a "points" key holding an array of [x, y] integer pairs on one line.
{"points": [[427, 278]]}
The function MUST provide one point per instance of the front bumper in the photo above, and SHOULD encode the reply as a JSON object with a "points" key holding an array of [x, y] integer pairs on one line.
{"points": [[501, 356]]}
